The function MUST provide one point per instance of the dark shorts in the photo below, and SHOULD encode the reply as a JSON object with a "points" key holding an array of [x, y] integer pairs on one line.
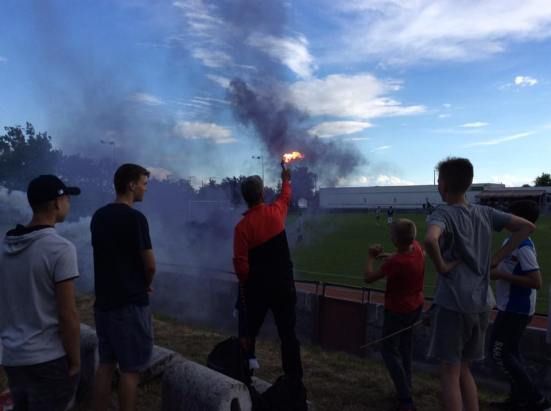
{"points": [[457, 337], [42, 387], [125, 337]]}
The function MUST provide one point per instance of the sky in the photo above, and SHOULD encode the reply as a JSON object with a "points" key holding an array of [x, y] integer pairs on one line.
{"points": [[400, 84]]}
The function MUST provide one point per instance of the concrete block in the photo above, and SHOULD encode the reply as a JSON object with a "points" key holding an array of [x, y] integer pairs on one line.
{"points": [[160, 360], [88, 363], [192, 387]]}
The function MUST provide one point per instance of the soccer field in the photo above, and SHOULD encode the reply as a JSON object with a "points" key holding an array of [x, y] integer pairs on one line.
{"points": [[335, 246]]}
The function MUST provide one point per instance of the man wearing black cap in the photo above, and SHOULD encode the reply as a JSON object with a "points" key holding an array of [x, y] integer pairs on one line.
{"points": [[39, 322]]}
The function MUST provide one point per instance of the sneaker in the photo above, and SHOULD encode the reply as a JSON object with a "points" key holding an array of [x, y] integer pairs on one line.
{"points": [[253, 364]]}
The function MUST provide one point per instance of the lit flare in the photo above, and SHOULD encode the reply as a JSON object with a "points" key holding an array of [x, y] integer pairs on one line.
{"points": [[288, 157]]}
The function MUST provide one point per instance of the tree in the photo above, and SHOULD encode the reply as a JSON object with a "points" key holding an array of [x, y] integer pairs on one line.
{"points": [[24, 154], [304, 183], [543, 180]]}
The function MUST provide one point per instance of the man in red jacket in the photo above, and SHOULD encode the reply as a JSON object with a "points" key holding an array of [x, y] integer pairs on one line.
{"points": [[263, 264]]}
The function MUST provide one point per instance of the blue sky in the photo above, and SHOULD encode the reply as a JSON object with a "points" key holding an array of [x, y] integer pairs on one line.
{"points": [[404, 83]]}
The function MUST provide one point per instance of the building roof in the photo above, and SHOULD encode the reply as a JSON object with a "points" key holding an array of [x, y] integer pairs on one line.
{"points": [[510, 193]]}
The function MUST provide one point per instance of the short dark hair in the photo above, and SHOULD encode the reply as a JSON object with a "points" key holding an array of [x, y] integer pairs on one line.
{"points": [[527, 209], [251, 189], [457, 173], [404, 231], [126, 174]]}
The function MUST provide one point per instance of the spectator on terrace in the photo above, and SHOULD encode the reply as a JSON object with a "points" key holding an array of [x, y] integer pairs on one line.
{"points": [[518, 277], [124, 266], [263, 265], [459, 243], [404, 271], [39, 322]]}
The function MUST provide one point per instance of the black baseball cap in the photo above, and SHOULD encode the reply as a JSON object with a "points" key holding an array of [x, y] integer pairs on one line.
{"points": [[48, 187]]}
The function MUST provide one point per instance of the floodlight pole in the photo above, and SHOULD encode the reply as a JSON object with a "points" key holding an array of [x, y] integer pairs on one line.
{"points": [[261, 158]]}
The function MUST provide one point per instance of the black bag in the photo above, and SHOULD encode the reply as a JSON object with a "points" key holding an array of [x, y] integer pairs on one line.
{"points": [[227, 358], [285, 395]]}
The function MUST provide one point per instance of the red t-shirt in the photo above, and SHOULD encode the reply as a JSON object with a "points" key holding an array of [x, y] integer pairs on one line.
{"points": [[405, 273]]}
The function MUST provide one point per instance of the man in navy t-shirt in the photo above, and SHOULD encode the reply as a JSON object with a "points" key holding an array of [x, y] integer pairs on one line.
{"points": [[124, 266]]}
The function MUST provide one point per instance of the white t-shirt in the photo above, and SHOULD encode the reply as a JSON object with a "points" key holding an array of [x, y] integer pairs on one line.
{"points": [[31, 264], [515, 298]]}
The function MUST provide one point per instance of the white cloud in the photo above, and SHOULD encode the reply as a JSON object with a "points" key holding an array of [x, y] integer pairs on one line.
{"points": [[3, 60], [476, 124], [446, 105], [158, 173], [444, 115], [401, 31], [338, 128], [381, 148], [209, 131], [361, 96], [525, 81], [356, 139], [147, 99], [500, 140], [374, 180], [292, 52], [212, 58], [223, 82]]}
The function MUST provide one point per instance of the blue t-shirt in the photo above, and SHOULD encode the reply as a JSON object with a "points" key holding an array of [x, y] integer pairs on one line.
{"points": [[119, 234], [515, 298]]}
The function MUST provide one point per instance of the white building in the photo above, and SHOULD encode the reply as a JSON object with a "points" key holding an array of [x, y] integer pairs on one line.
{"points": [[402, 197]]}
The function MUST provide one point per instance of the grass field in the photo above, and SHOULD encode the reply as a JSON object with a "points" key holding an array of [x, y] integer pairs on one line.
{"points": [[335, 248], [335, 381]]}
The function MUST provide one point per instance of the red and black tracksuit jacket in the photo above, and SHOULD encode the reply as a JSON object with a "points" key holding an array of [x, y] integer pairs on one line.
{"points": [[260, 248], [263, 264]]}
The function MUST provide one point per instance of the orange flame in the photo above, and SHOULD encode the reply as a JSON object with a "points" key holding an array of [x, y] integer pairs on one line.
{"points": [[295, 155]]}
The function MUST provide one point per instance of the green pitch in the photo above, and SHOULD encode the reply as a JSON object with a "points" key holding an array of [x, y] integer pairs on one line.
{"points": [[335, 245]]}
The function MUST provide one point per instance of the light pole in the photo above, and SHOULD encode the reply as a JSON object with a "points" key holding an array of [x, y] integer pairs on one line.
{"points": [[261, 158], [112, 144]]}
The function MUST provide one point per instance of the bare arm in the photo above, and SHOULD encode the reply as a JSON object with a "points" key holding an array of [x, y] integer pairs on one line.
{"points": [[520, 230], [370, 274], [432, 248], [69, 323], [529, 280], [148, 258]]}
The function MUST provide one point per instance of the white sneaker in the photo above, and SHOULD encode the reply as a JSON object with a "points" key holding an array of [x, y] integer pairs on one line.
{"points": [[254, 364]]}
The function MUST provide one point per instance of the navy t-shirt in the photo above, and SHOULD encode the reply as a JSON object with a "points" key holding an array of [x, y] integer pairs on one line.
{"points": [[119, 234]]}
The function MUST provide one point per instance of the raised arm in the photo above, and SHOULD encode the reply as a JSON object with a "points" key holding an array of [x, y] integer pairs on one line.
{"points": [[370, 274], [520, 230], [284, 198]]}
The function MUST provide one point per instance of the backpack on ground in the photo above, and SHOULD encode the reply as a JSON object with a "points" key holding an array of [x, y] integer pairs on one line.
{"points": [[228, 358]]}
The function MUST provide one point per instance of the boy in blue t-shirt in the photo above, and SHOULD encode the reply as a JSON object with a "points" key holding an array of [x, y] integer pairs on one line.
{"points": [[517, 279]]}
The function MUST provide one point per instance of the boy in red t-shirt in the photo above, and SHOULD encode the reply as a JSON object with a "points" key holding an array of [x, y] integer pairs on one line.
{"points": [[404, 271]]}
